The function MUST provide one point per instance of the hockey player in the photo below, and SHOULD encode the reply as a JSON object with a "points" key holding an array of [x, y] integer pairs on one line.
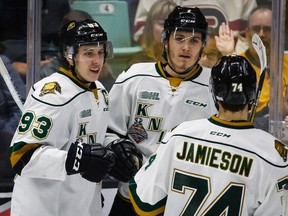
{"points": [[151, 98], [216, 166], [57, 149]]}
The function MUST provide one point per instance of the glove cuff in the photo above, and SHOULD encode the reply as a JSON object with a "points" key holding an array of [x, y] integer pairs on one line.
{"points": [[77, 160]]}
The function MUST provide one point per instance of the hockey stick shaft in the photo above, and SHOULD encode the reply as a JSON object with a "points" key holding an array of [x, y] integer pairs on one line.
{"points": [[258, 94], [8, 81], [261, 52]]}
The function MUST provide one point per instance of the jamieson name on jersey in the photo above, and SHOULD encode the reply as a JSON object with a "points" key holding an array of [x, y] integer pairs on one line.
{"points": [[216, 158]]}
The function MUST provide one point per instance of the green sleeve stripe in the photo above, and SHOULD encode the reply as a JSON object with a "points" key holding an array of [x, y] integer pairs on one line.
{"points": [[144, 209], [20, 155]]}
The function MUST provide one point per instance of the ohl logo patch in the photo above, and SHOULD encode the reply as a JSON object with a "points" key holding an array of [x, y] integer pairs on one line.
{"points": [[149, 95]]}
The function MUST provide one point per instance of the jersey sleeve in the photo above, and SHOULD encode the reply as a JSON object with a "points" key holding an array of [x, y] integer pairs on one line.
{"points": [[42, 132], [272, 193], [149, 188]]}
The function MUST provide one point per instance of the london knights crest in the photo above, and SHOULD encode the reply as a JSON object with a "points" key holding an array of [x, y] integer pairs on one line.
{"points": [[50, 88], [137, 131]]}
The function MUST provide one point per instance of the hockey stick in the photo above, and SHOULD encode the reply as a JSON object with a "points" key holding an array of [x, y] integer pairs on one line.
{"points": [[261, 52], [7, 78]]}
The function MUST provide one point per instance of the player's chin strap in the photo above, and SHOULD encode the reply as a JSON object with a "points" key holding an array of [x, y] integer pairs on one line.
{"points": [[72, 69], [164, 55]]}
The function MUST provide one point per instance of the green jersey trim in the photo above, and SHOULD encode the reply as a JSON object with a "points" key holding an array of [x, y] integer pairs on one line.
{"points": [[142, 208], [230, 124]]}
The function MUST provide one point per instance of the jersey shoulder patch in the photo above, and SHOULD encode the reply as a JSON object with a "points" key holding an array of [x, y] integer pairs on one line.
{"points": [[281, 149], [50, 88], [56, 90]]}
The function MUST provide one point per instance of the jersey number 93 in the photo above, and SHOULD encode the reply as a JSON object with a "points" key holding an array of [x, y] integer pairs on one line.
{"points": [[38, 126]]}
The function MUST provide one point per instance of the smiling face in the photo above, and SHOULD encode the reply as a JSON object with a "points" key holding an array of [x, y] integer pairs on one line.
{"points": [[183, 49], [89, 61]]}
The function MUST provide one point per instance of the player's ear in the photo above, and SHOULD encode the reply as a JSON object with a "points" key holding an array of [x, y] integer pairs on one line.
{"points": [[165, 43], [164, 39], [71, 62]]}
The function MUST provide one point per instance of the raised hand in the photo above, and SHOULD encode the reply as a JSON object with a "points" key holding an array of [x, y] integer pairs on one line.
{"points": [[225, 40]]}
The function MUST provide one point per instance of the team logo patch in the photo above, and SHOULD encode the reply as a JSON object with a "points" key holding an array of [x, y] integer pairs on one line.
{"points": [[147, 95], [137, 131], [50, 88], [85, 113], [282, 149]]}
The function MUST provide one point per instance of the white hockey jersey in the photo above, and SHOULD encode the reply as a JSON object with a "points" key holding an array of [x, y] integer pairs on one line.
{"points": [[145, 104], [213, 167], [59, 109]]}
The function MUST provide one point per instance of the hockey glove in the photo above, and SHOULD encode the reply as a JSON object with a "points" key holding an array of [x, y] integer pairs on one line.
{"points": [[92, 161], [128, 159]]}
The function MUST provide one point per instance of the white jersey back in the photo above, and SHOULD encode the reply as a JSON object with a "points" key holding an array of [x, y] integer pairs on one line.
{"points": [[213, 167]]}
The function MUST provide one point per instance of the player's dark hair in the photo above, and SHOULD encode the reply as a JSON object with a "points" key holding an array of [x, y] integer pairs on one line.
{"points": [[232, 108]]}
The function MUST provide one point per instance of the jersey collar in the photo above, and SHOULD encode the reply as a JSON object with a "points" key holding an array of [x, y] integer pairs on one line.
{"points": [[92, 87], [231, 124], [175, 81]]}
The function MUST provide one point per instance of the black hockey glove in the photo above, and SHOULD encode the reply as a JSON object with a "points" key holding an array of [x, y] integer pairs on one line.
{"points": [[92, 161], [128, 159]]}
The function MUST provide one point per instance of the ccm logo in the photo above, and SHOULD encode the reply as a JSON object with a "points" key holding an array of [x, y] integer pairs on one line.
{"points": [[78, 156]]}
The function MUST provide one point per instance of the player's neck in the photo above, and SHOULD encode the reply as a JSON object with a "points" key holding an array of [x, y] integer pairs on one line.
{"points": [[172, 73], [232, 116]]}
